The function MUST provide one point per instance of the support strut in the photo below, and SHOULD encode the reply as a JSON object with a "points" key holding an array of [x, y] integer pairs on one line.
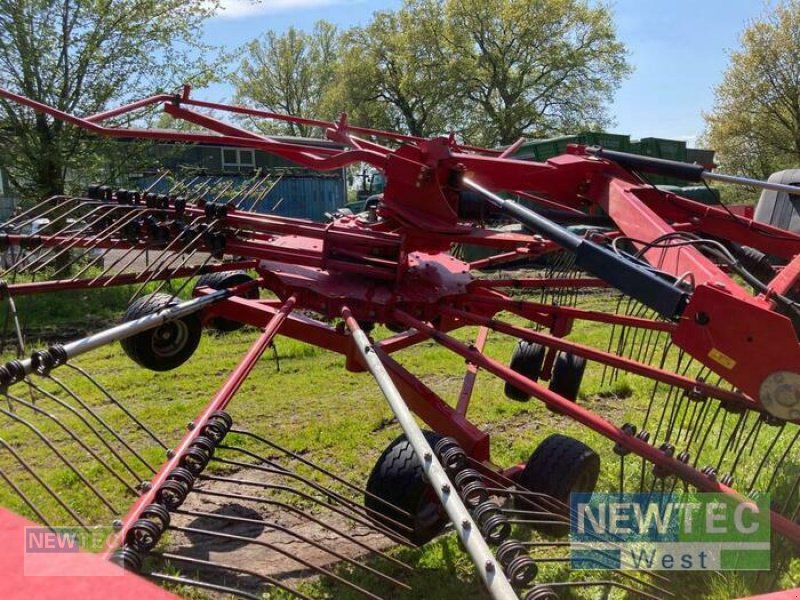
{"points": [[468, 532]]}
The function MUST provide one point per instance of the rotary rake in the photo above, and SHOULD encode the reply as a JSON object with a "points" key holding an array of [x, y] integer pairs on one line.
{"points": [[691, 300]]}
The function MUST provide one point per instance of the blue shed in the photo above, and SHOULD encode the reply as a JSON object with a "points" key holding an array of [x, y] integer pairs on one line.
{"points": [[307, 196]]}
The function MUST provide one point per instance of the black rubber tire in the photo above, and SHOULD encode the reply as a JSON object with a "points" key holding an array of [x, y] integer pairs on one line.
{"points": [[567, 375], [527, 360], [221, 281], [397, 478], [163, 348], [559, 466]]}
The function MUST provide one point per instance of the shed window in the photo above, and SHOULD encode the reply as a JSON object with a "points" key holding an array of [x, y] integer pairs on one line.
{"points": [[236, 159]]}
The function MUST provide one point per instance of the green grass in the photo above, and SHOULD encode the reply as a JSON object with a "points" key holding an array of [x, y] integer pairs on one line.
{"points": [[313, 405]]}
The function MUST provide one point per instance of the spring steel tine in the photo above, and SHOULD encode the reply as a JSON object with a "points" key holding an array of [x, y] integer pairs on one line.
{"points": [[538, 500], [188, 278], [701, 422], [785, 453], [282, 471], [316, 467], [61, 456], [44, 484], [75, 438], [164, 173], [688, 406], [523, 494], [23, 257], [509, 486], [759, 427], [224, 189], [119, 405], [166, 278], [156, 273], [103, 237], [750, 436], [534, 513], [85, 421], [11, 312], [95, 260], [64, 248], [294, 510], [199, 191], [600, 563], [274, 548], [617, 572], [286, 488], [246, 187], [551, 521], [103, 209], [263, 195], [767, 454], [731, 437], [606, 583], [26, 216], [76, 205], [258, 193], [217, 565], [707, 433], [28, 502], [299, 536], [137, 252], [204, 585], [558, 520], [688, 431], [526, 495]]}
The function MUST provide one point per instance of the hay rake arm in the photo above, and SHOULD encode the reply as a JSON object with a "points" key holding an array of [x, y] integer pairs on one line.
{"points": [[721, 358]]}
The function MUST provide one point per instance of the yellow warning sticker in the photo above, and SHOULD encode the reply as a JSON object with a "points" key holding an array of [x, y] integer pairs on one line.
{"points": [[722, 358]]}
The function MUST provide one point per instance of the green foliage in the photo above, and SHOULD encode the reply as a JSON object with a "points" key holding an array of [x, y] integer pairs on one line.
{"points": [[533, 68], [289, 73], [77, 55], [396, 71], [490, 70], [755, 123]]}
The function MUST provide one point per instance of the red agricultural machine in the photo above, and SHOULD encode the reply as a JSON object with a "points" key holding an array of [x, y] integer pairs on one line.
{"points": [[703, 305]]}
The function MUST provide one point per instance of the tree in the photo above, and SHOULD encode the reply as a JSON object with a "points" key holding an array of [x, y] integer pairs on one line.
{"points": [[755, 122], [534, 68], [79, 55], [289, 74], [395, 72], [493, 70]]}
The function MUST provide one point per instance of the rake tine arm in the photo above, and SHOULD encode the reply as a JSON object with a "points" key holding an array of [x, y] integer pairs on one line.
{"points": [[219, 402], [582, 415]]}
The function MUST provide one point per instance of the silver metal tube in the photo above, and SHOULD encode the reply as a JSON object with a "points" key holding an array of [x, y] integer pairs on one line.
{"points": [[126, 330], [488, 568], [131, 328], [766, 185]]}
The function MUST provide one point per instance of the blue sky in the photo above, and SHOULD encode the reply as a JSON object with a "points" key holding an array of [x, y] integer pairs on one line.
{"points": [[678, 49]]}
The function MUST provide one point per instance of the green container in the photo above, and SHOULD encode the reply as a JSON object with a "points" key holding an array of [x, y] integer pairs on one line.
{"points": [[541, 150], [661, 148], [701, 157], [609, 141], [698, 193]]}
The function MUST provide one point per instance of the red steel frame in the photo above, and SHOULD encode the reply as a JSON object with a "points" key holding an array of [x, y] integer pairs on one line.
{"points": [[399, 271]]}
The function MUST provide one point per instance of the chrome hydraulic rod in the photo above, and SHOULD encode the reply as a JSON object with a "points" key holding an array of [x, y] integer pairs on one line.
{"points": [[764, 185], [488, 568], [635, 280], [682, 170]]}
